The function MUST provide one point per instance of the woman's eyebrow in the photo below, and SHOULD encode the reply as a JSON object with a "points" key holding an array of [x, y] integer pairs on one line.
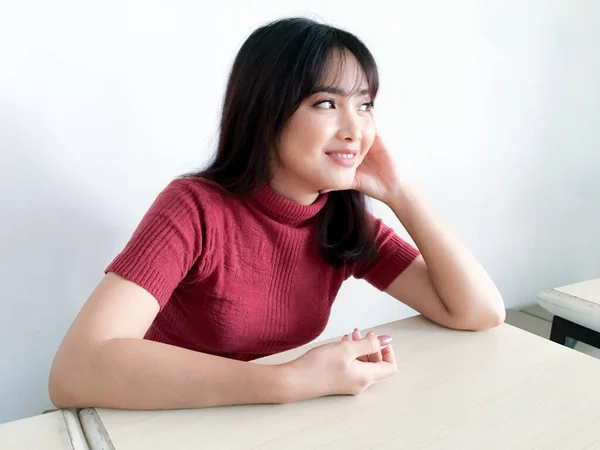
{"points": [[338, 91]]}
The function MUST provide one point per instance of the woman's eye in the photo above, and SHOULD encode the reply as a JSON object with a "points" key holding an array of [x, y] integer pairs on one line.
{"points": [[325, 104], [329, 104]]}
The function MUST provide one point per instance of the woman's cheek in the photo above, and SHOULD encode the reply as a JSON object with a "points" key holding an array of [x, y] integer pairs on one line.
{"points": [[369, 137]]}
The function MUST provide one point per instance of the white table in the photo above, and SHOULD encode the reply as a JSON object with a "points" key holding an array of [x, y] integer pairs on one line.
{"points": [[576, 309], [500, 389], [51, 431]]}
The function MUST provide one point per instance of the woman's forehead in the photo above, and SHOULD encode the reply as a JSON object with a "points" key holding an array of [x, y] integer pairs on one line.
{"points": [[344, 72]]}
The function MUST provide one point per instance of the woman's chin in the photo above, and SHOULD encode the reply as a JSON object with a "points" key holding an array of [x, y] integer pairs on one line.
{"points": [[337, 184], [341, 187]]}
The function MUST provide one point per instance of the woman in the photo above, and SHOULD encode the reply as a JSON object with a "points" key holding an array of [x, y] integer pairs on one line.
{"points": [[244, 259]]}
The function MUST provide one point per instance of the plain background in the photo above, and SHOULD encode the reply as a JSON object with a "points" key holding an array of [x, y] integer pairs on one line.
{"points": [[493, 108]]}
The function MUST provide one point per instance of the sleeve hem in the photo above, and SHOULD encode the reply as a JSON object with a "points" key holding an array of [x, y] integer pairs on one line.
{"points": [[387, 269], [144, 276]]}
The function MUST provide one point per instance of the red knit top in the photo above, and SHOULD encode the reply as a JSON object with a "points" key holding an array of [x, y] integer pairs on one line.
{"points": [[242, 277]]}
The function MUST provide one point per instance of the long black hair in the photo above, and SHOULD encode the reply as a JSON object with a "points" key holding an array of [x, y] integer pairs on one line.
{"points": [[277, 67]]}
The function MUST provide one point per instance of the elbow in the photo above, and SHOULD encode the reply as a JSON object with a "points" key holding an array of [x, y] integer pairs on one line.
{"points": [[479, 322], [483, 318], [489, 320], [57, 389], [64, 385], [491, 315]]}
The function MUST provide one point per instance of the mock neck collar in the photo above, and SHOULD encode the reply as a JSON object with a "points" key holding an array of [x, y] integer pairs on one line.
{"points": [[282, 209]]}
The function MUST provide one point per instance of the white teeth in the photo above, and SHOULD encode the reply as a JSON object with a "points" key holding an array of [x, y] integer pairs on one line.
{"points": [[344, 155]]}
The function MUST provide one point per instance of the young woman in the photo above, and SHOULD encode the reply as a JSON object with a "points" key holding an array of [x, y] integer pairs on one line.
{"points": [[245, 258]]}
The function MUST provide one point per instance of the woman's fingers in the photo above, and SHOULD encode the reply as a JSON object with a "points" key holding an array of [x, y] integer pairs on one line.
{"points": [[375, 357], [356, 336], [369, 345], [388, 355]]}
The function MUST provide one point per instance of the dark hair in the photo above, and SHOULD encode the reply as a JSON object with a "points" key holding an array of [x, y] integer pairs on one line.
{"points": [[277, 67]]}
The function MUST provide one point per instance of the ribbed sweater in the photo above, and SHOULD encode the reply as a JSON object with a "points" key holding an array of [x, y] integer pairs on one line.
{"points": [[242, 276]]}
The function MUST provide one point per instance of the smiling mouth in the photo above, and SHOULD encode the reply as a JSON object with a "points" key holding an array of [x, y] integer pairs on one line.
{"points": [[342, 155], [343, 158]]}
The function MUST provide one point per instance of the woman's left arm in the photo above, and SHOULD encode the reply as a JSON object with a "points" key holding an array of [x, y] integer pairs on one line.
{"points": [[446, 283]]}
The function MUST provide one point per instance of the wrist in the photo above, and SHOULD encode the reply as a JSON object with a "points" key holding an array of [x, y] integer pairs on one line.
{"points": [[400, 195], [277, 384], [295, 385]]}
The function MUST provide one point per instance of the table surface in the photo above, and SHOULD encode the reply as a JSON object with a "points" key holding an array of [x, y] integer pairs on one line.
{"points": [[586, 290], [499, 389], [46, 431]]}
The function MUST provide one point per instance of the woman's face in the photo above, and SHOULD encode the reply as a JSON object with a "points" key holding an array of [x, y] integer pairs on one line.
{"points": [[328, 136]]}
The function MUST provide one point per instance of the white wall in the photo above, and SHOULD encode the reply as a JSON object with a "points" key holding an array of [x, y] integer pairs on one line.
{"points": [[492, 107]]}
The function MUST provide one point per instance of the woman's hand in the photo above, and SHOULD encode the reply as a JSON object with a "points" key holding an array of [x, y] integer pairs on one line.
{"points": [[374, 357], [378, 176], [340, 368]]}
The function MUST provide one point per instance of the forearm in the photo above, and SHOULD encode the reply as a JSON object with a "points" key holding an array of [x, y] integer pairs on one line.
{"points": [[463, 285], [142, 374]]}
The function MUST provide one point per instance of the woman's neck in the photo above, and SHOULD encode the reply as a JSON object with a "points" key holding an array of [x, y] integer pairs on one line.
{"points": [[293, 189]]}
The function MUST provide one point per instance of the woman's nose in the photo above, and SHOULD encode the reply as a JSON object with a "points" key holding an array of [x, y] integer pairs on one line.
{"points": [[349, 130]]}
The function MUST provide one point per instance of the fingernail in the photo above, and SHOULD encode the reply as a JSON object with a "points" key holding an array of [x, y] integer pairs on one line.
{"points": [[384, 339], [355, 330]]}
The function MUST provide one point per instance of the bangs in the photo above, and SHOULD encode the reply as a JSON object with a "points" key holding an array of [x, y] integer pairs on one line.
{"points": [[336, 66], [321, 61]]}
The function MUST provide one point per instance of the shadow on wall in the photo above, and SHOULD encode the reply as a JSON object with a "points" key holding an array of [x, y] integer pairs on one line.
{"points": [[54, 242]]}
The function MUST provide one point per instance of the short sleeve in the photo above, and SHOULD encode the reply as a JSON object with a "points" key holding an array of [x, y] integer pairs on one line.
{"points": [[166, 243], [394, 255]]}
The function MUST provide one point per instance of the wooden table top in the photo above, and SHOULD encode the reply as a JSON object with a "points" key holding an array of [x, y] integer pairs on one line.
{"points": [[499, 389]]}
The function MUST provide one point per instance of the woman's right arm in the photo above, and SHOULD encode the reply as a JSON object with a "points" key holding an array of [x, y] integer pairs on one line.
{"points": [[104, 361]]}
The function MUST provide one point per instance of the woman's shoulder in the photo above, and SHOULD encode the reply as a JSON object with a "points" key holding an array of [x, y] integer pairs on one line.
{"points": [[199, 189]]}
